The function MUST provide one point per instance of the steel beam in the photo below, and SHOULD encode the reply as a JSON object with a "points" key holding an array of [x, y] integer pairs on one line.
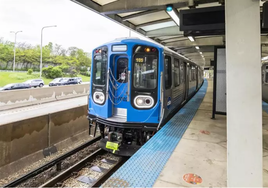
{"points": [[211, 41], [194, 50], [173, 39], [123, 6], [139, 14], [197, 54], [97, 8], [167, 31], [89, 4], [264, 39], [264, 50], [154, 22]]}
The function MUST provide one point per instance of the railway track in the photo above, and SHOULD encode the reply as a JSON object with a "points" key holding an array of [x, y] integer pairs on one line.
{"points": [[56, 164], [90, 164]]}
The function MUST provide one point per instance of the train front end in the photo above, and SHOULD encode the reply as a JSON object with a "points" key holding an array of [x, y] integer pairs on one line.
{"points": [[125, 94]]}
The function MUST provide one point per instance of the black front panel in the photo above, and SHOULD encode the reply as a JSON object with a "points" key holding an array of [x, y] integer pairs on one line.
{"points": [[144, 72]]}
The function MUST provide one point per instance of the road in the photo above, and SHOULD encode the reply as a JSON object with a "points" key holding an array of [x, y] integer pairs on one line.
{"points": [[53, 86]]}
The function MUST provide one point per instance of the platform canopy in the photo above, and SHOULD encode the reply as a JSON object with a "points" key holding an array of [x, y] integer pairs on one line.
{"points": [[149, 17]]}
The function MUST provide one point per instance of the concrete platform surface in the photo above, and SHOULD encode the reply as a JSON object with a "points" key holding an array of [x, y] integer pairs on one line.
{"points": [[18, 114], [202, 150]]}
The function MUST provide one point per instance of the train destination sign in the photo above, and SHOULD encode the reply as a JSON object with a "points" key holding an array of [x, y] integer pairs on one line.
{"points": [[139, 60]]}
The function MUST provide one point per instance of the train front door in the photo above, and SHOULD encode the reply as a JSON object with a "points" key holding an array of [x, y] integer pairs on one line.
{"points": [[119, 87]]}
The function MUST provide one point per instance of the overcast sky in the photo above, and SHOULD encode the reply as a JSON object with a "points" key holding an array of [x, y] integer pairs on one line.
{"points": [[76, 25]]}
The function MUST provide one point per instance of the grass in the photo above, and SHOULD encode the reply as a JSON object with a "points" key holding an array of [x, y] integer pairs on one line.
{"points": [[18, 77]]}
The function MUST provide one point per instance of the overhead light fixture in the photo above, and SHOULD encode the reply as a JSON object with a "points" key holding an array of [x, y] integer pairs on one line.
{"points": [[197, 47], [201, 53], [173, 13], [264, 58], [191, 38]]}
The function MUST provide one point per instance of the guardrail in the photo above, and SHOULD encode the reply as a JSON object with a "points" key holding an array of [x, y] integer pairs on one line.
{"points": [[26, 97]]}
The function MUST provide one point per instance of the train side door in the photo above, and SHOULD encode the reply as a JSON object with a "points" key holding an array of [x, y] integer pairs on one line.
{"points": [[197, 77], [119, 87], [168, 82], [186, 78]]}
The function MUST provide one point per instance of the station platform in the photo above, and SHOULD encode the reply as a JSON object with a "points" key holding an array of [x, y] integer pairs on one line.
{"points": [[190, 150]]}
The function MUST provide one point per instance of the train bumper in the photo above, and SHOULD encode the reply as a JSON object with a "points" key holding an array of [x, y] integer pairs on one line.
{"points": [[124, 125]]}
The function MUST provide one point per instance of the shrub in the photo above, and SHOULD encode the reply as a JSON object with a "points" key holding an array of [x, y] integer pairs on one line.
{"points": [[30, 71], [47, 71], [56, 72], [73, 73], [87, 73], [52, 72], [65, 68]]}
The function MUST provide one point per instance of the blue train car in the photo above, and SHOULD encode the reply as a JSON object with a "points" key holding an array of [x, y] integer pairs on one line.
{"points": [[136, 86]]}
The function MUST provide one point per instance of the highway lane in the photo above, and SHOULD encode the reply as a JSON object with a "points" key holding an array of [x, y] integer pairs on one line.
{"points": [[54, 86]]}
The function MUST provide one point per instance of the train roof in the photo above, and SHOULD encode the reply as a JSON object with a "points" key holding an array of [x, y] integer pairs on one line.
{"points": [[133, 40], [148, 43]]}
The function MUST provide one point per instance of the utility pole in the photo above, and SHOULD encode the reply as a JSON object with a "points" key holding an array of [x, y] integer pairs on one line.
{"points": [[16, 32], [42, 47]]}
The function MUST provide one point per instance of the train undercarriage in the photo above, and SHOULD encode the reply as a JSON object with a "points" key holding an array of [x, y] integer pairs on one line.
{"points": [[122, 139]]}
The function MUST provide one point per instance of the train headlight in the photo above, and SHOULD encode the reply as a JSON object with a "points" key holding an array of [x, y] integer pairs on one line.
{"points": [[143, 101], [98, 97]]}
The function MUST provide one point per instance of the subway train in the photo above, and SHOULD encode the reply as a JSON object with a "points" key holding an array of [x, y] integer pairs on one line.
{"points": [[265, 82], [136, 87]]}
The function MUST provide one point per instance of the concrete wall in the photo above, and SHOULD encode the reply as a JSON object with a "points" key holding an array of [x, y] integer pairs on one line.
{"points": [[25, 97], [31, 137]]}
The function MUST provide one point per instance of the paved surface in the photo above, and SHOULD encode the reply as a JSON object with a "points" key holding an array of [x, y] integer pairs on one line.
{"points": [[143, 168], [18, 114], [202, 150]]}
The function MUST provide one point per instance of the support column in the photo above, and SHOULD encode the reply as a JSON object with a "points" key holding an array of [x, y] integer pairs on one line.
{"points": [[244, 107]]}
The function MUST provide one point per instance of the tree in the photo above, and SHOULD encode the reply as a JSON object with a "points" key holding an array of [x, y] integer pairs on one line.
{"points": [[29, 56], [30, 71]]}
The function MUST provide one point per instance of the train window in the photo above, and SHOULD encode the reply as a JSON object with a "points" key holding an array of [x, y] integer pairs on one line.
{"points": [[265, 74], [182, 73], [193, 74], [168, 77], [100, 67], [145, 71], [190, 75], [122, 65], [176, 72]]}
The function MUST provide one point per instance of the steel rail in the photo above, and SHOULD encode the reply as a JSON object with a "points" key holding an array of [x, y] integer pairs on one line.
{"points": [[109, 172], [50, 164], [75, 168]]}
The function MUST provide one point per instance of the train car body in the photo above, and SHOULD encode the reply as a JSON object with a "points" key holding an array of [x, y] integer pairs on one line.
{"points": [[265, 82], [136, 86]]}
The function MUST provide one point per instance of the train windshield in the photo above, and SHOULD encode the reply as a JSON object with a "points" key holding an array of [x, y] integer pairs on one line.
{"points": [[145, 70], [100, 68]]}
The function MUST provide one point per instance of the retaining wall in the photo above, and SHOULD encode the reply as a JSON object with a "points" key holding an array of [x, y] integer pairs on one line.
{"points": [[32, 137]]}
